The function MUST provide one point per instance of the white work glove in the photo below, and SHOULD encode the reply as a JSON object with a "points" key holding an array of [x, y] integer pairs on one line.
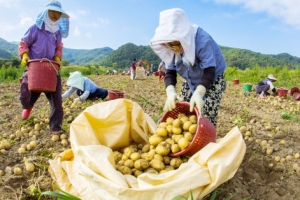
{"points": [[197, 98], [171, 97], [77, 99]]}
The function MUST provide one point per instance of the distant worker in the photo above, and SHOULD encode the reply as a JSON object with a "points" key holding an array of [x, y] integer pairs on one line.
{"points": [[123, 73], [107, 72], [162, 71], [97, 73], [133, 69], [263, 86], [84, 87], [115, 72]]}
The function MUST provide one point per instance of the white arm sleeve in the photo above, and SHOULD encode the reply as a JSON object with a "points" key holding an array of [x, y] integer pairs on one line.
{"points": [[85, 95], [270, 84]]}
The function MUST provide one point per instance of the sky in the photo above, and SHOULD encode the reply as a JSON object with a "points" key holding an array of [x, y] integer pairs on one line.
{"points": [[263, 26]]}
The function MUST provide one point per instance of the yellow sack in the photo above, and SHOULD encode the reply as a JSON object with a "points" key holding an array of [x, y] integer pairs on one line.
{"points": [[87, 170]]}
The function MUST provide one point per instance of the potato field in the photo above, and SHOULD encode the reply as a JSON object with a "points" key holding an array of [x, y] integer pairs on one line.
{"points": [[270, 127]]}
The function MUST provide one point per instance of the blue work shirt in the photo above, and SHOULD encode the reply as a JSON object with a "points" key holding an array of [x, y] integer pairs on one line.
{"points": [[207, 54]]}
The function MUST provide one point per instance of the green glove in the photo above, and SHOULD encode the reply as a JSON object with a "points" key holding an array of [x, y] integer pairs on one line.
{"points": [[25, 59]]}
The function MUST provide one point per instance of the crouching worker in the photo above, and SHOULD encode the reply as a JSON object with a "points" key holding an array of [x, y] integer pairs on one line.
{"points": [[85, 88], [263, 86]]}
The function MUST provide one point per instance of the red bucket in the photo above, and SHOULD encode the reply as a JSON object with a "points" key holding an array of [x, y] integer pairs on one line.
{"points": [[236, 81], [205, 132], [282, 92], [296, 96], [115, 94], [42, 75]]}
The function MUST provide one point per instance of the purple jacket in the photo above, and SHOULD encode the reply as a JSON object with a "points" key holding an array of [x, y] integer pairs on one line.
{"points": [[41, 43]]}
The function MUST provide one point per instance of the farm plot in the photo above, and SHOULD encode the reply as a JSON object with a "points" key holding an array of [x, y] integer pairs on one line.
{"points": [[270, 169]]}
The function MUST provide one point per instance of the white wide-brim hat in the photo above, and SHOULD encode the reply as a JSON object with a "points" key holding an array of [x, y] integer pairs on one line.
{"points": [[272, 77], [55, 5]]}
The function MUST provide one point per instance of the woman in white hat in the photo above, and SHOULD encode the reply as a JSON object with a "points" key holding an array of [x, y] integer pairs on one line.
{"points": [[263, 86], [192, 53], [43, 40]]}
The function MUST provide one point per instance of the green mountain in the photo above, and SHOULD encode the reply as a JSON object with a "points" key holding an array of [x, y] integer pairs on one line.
{"points": [[122, 57], [74, 56]]}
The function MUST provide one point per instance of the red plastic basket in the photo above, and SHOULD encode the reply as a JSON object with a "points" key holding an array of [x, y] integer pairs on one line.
{"points": [[282, 92], [205, 132], [115, 94], [42, 75], [156, 73]]}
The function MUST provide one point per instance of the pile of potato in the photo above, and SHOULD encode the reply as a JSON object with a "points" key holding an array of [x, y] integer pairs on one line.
{"points": [[171, 136]]}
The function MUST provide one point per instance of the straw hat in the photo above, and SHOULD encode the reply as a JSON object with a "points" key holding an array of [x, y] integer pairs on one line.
{"points": [[272, 77]]}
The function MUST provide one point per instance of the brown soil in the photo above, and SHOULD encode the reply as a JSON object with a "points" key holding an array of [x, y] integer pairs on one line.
{"points": [[259, 176]]}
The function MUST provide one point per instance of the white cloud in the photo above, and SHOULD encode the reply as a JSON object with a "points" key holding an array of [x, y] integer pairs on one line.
{"points": [[77, 32], [103, 20], [89, 35], [285, 10], [25, 21], [9, 3]]}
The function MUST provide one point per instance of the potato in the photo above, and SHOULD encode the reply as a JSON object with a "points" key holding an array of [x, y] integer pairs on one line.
{"points": [[193, 128], [141, 164], [128, 163], [169, 168], [169, 120], [158, 165], [176, 130], [166, 160], [193, 119], [124, 170], [135, 156], [29, 167], [163, 148], [161, 131], [175, 148], [157, 156], [137, 173], [146, 148], [117, 156], [188, 136], [186, 125], [183, 143], [155, 140], [176, 137], [177, 123], [151, 171], [162, 124], [18, 171], [149, 157], [175, 162], [5, 144]]}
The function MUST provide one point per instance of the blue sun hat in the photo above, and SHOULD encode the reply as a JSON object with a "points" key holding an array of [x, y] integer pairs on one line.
{"points": [[63, 21]]}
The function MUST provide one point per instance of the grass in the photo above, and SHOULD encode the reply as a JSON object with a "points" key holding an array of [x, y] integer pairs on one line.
{"points": [[60, 195]]}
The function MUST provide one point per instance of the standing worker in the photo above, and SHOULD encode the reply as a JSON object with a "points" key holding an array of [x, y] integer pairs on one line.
{"points": [[192, 53], [263, 86], [162, 71], [44, 40], [84, 87], [133, 69]]}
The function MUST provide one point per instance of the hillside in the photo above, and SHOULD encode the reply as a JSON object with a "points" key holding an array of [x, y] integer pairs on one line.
{"points": [[122, 57]]}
